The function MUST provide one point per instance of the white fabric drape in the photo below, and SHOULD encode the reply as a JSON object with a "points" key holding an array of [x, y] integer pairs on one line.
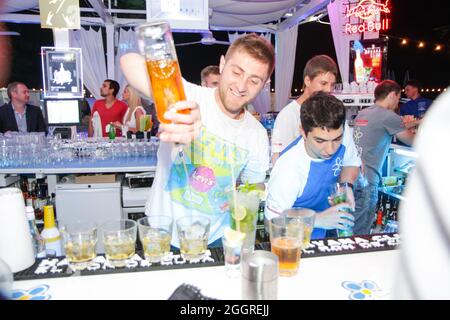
{"points": [[262, 100], [93, 55], [285, 48], [127, 43], [340, 39]]}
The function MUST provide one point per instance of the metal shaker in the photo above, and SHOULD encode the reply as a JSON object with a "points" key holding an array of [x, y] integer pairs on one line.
{"points": [[259, 276]]}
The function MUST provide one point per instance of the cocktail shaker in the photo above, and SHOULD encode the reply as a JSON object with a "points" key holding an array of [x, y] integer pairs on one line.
{"points": [[259, 276]]}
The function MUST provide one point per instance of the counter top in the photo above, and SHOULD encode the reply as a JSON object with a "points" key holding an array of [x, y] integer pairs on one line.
{"points": [[320, 277]]}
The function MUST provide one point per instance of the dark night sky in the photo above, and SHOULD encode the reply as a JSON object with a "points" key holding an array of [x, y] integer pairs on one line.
{"points": [[413, 20]]}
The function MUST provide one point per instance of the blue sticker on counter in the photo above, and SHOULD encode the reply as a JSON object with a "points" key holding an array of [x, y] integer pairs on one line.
{"points": [[365, 290], [36, 293]]}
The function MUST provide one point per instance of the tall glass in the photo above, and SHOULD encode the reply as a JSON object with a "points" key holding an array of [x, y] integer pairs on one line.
{"points": [[244, 214], [156, 45], [119, 239], [302, 218], [286, 239], [338, 194], [155, 233]]}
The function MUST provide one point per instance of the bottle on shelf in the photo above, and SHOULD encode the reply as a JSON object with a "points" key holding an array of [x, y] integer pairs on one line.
{"points": [[387, 211], [379, 220], [24, 187], [36, 238], [50, 233], [41, 199], [111, 132]]}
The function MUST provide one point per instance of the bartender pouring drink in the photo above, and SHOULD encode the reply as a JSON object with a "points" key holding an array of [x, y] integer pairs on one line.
{"points": [[229, 141]]}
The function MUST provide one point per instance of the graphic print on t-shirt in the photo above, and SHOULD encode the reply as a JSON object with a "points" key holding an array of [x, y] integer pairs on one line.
{"points": [[209, 160]]}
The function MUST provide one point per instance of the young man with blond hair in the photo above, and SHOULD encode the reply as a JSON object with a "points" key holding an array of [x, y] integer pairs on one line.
{"points": [[228, 141]]}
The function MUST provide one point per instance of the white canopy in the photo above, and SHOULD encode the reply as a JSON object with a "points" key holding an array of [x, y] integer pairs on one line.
{"points": [[280, 17]]}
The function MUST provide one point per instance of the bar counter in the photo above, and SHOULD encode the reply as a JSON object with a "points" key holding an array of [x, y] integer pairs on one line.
{"points": [[358, 275]]}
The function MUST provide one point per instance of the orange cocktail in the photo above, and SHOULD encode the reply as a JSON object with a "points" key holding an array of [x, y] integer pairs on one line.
{"points": [[289, 251]]}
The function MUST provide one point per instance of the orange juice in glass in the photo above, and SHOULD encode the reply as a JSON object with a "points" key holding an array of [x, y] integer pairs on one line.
{"points": [[156, 45]]}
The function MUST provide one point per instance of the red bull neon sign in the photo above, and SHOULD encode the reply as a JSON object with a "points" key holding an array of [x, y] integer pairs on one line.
{"points": [[368, 13]]}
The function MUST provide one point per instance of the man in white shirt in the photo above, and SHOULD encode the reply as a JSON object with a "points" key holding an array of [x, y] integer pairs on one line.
{"points": [[320, 74], [232, 145], [303, 174]]}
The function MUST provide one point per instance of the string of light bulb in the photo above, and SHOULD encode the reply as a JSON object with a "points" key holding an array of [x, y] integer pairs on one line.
{"points": [[403, 41]]}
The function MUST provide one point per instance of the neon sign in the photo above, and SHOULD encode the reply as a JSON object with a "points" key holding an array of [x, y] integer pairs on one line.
{"points": [[368, 14], [367, 9]]}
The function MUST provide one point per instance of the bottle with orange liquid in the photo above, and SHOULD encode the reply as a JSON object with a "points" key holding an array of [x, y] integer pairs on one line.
{"points": [[156, 44]]}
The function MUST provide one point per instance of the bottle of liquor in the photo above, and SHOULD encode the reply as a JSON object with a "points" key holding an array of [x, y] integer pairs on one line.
{"points": [[38, 208], [51, 233], [38, 241], [359, 68], [111, 132], [24, 187], [31, 193], [387, 211], [52, 202], [379, 220]]}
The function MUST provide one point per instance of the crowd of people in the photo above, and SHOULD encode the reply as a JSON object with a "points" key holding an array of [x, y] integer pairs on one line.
{"points": [[311, 147], [310, 136]]}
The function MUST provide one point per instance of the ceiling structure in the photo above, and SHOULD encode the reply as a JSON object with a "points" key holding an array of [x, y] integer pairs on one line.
{"points": [[229, 15]]}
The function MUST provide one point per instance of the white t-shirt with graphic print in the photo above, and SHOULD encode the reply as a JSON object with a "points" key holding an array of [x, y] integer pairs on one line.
{"points": [[223, 143]]}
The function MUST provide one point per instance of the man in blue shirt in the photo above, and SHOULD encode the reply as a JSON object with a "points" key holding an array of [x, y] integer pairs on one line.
{"points": [[302, 175], [417, 105]]}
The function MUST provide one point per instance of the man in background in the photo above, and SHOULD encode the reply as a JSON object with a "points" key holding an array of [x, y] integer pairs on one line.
{"points": [[210, 76], [374, 128], [111, 110], [417, 106], [320, 74], [17, 114]]}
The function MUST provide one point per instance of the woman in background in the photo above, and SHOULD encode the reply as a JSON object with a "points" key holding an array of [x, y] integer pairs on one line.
{"points": [[135, 109]]}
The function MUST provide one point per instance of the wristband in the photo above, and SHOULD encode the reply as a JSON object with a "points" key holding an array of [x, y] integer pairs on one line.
{"points": [[349, 184]]}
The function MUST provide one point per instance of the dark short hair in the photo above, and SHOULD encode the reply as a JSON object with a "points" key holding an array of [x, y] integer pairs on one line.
{"points": [[385, 87], [113, 84], [414, 83], [12, 87], [257, 47], [320, 64], [206, 71], [322, 110]]}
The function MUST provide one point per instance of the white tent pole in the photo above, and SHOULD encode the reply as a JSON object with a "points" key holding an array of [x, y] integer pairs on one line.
{"points": [[110, 64], [61, 37]]}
